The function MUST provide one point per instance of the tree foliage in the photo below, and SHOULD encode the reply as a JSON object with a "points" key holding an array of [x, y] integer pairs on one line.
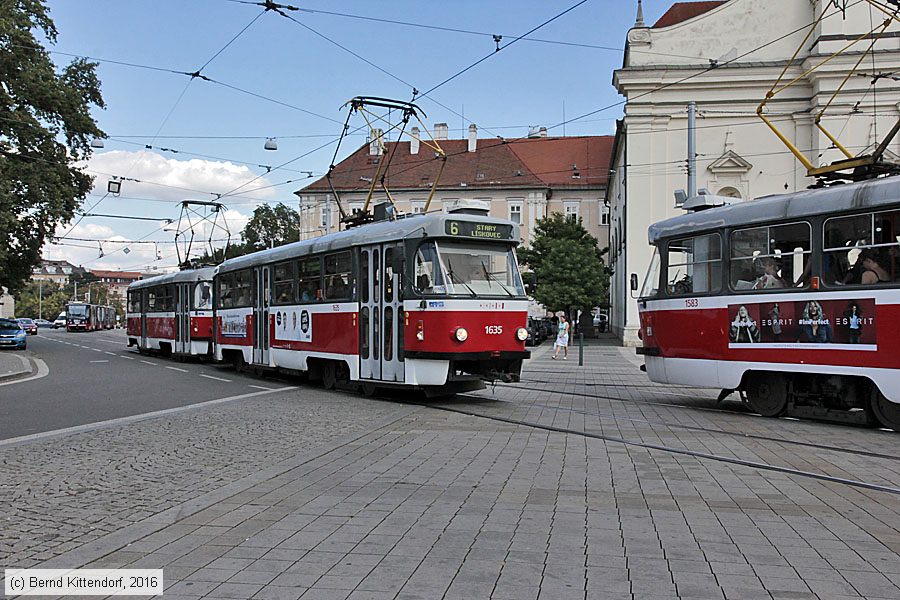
{"points": [[45, 129], [270, 227], [566, 261]]}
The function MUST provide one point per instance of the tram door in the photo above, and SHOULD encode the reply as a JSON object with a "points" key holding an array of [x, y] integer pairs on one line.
{"points": [[144, 301], [183, 317], [380, 342], [261, 315]]}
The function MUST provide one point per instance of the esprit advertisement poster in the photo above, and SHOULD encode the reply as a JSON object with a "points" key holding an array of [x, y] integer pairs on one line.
{"points": [[838, 324]]}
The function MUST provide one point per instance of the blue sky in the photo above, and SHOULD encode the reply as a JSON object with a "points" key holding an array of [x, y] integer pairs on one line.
{"points": [[524, 85]]}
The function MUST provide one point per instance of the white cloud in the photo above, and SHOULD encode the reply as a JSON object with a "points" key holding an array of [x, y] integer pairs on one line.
{"points": [[160, 177]]}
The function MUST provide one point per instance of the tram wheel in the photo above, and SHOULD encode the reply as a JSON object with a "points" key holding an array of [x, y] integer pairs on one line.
{"points": [[887, 412], [367, 389], [329, 375], [767, 393]]}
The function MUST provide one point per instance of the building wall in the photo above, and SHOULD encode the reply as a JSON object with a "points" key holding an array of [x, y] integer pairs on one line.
{"points": [[737, 154], [7, 305]]}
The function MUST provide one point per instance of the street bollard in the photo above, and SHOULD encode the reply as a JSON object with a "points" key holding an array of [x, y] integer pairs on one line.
{"points": [[580, 349]]}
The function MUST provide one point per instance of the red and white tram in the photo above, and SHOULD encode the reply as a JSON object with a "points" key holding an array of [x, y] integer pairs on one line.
{"points": [[172, 314], [791, 299], [429, 301], [82, 316]]}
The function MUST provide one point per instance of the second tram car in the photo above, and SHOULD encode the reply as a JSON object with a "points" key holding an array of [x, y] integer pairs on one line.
{"points": [[172, 314], [792, 300], [432, 301]]}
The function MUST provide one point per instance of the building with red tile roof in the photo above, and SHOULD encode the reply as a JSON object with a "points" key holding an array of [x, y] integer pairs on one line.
{"points": [[682, 11], [520, 179]]}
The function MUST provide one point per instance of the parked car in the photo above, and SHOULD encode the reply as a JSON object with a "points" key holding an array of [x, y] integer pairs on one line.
{"points": [[601, 322], [536, 333], [28, 325], [12, 335], [43, 323], [60, 321]]}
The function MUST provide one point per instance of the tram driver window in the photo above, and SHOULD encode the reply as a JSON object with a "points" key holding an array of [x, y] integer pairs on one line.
{"points": [[771, 258], [694, 265], [862, 249], [429, 278], [310, 272]]}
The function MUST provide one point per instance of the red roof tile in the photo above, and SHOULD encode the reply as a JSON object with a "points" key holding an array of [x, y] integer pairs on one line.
{"points": [[117, 274], [531, 162], [682, 11]]}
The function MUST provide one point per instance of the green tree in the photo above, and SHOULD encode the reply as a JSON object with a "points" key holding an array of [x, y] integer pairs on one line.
{"points": [[566, 260], [41, 300], [270, 227], [45, 129]]}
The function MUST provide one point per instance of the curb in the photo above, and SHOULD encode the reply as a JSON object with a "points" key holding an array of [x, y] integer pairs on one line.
{"points": [[97, 549], [28, 368]]}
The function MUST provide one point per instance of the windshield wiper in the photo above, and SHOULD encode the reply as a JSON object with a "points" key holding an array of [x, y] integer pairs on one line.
{"points": [[451, 276], [491, 277]]}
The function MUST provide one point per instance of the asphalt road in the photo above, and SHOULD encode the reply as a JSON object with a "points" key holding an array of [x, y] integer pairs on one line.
{"points": [[95, 377]]}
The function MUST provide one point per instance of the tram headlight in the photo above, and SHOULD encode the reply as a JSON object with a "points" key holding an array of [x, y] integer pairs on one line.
{"points": [[461, 334], [521, 334]]}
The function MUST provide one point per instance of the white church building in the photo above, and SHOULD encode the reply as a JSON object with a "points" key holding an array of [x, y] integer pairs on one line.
{"points": [[725, 56]]}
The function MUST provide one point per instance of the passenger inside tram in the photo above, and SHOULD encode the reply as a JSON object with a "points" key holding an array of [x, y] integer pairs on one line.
{"points": [[769, 277]]}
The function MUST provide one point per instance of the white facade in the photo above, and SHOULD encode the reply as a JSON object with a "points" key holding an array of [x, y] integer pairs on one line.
{"points": [[7, 305], [737, 155]]}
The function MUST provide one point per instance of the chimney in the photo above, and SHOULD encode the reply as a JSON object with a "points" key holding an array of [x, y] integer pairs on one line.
{"points": [[473, 137], [542, 132], [375, 142], [441, 131], [414, 140], [533, 131]]}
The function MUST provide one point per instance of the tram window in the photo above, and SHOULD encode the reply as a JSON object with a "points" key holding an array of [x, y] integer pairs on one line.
{"points": [[862, 249], [337, 276], [203, 295], [364, 332], [310, 273], [364, 271], [767, 258], [376, 324], [134, 302], [694, 265], [388, 275], [226, 291], [429, 275], [241, 292], [650, 288], [283, 282], [388, 333]]}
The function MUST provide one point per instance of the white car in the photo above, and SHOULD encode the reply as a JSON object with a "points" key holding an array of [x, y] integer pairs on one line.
{"points": [[60, 321]]}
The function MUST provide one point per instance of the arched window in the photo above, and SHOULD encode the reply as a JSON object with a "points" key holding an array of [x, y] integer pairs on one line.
{"points": [[729, 192]]}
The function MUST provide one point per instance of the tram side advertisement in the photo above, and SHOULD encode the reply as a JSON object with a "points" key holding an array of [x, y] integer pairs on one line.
{"points": [[833, 324]]}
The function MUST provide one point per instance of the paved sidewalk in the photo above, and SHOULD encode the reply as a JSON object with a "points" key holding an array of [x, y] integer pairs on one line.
{"points": [[424, 502]]}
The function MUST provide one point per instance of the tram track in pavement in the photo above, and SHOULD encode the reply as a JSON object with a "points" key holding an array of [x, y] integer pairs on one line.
{"points": [[700, 428], [668, 449]]}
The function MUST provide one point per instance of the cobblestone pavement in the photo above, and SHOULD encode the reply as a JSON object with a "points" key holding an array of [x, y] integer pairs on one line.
{"points": [[441, 504], [61, 493]]}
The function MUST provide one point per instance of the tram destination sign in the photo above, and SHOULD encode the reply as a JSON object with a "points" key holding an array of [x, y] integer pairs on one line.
{"points": [[484, 231]]}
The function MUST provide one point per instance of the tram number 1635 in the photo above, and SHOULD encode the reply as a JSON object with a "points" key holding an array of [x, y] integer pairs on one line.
{"points": [[493, 329]]}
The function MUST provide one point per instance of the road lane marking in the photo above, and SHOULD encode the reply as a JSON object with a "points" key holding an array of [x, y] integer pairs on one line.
{"points": [[259, 387], [216, 378], [96, 349], [99, 361], [110, 353], [125, 357], [132, 418], [177, 369], [147, 362]]}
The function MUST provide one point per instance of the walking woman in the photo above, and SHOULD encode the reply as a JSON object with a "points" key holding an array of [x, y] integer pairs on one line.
{"points": [[562, 338]]}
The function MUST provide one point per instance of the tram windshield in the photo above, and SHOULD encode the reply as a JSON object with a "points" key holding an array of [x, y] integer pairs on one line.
{"points": [[651, 282], [203, 295], [78, 310], [467, 269]]}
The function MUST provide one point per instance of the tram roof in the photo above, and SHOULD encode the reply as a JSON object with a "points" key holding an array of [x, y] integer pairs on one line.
{"points": [[186, 276], [427, 225], [872, 194]]}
